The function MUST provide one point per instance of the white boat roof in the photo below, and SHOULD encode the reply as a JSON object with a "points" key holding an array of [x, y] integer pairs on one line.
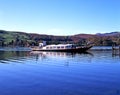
{"points": [[60, 45]]}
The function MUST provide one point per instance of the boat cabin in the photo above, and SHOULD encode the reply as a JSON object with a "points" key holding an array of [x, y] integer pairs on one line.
{"points": [[59, 46]]}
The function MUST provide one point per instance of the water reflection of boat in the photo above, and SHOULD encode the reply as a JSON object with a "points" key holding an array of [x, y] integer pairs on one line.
{"points": [[41, 53], [56, 54]]}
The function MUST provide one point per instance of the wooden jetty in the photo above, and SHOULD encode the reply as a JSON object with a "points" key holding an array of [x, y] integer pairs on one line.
{"points": [[115, 50]]}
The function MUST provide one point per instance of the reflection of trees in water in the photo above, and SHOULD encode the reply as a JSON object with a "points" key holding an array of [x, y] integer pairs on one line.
{"points": [[86, 57], [7, 55]]}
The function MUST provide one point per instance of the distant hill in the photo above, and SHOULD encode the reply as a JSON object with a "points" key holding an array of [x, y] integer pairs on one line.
{"points": [[108, 34], [14, 38]]}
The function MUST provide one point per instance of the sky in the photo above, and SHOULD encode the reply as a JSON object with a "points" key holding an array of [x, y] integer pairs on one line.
{"points": [[60, 17]]}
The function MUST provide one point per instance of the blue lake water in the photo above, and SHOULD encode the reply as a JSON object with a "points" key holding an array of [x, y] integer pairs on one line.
{"points": [[59, 73]]}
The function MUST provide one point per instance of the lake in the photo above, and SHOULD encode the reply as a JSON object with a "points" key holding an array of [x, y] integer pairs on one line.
{"points": [[59, 73]]}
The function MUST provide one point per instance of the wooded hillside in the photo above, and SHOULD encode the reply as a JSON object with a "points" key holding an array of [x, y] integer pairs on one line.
{"points": [[12, 38]]}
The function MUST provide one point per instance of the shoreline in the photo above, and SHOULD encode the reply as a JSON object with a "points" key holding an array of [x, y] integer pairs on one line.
{"points": [[17, 48]]}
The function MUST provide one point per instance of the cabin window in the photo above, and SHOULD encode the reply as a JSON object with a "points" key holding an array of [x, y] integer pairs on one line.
{"points": [[47, 47], [62, 46], [68, 46], [58, 47], [54, 47], [50, 47]]}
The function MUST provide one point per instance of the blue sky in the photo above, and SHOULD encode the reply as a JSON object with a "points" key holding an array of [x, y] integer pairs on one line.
{"points": [[60, 17]]}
